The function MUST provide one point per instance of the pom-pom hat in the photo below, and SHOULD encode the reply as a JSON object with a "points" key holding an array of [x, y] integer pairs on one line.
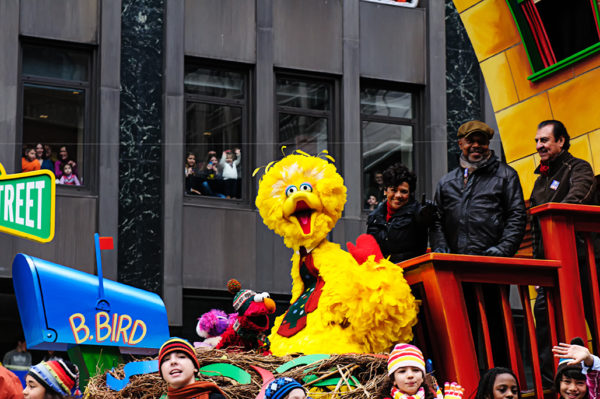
{"points": [[176, 344], [279, 388], [60, 376], [243, 298], [405, 355]]}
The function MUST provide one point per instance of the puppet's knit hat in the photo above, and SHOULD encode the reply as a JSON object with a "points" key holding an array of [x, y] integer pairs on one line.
{"points": [[405, 355], [279, 388], [60, 376], [242, 299], [176, 344]]}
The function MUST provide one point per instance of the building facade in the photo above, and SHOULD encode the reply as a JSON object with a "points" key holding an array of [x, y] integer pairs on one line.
{"points": [[126, 90]]}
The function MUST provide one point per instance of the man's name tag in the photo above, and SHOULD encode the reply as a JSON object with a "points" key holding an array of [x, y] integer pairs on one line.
{"points": [[554, 184]]}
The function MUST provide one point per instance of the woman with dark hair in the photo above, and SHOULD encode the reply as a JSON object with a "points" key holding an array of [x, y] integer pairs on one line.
{"points": [[54, 379], [40, 154], [399, 224], [64, 158]]}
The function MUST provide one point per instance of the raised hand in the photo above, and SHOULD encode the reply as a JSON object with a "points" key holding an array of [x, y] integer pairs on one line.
{"points": [[576, 352]]}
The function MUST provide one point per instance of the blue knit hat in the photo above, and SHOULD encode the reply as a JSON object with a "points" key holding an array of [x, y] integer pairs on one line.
{"points": [[60, 376], [279, 388]]}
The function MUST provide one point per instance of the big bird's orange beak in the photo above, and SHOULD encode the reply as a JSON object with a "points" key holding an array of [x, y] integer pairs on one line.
{"points": [[300, 208]]}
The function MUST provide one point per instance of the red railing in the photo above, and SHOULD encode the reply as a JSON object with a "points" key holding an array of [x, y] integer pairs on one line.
{"points": [[445, 332], [559, 224], [471, 319]]}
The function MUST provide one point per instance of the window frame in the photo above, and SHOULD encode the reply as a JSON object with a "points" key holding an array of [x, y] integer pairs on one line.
{"points": [[334, 145], [247, 136], [90, 126], [415, 122], [533, 55]]}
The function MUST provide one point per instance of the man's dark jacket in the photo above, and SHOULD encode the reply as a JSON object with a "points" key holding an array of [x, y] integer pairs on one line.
{"points": [[488, 212], [569, 180], [403, 236]]}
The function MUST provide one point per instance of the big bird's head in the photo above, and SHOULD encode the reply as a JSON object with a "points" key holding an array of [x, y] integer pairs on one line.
{"points": [[301, 198]]}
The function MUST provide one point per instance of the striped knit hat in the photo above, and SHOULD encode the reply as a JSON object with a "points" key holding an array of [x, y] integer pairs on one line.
{"points": [[175, 344], [242, 299], [279, 388], [405, 355], [60, 376]]}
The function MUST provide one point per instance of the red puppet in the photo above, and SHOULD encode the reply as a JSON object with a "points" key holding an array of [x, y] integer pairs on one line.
{"points": [[249, 331]]}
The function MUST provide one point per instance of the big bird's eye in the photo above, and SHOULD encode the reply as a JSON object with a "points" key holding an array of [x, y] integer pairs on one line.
{"points": [[306, 187], [290, 190]]}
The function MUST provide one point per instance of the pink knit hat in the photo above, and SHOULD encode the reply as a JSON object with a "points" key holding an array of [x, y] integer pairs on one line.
{"points": [[405, 355]]}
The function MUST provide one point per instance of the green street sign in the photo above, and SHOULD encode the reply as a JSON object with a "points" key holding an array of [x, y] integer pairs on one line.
{"points": [[27, 204]]}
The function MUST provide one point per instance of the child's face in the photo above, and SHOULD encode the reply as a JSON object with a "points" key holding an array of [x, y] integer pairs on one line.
{"points": [[67, 170], [505, 387], [229, 158], [570, 388], [296, 393], [178, 370], [31, 155], [408, 379], [33, 389], [191, 160]]}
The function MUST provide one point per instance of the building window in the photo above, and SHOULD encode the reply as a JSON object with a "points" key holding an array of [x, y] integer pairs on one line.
{"points": [[305, 113], [56, 92], [216, 131], [388, 123], [556, 34]]}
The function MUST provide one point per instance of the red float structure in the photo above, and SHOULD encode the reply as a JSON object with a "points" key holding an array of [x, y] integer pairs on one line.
{"points": [[477, 313]]}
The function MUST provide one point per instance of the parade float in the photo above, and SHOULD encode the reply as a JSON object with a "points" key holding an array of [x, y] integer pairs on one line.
{"points": [[526, 85]]}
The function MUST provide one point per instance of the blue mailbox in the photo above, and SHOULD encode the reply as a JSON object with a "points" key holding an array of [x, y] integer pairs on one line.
{"points": [[61, 307]]}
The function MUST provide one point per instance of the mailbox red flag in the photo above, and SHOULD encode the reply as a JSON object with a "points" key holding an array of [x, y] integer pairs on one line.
{"points": [[106, 243]]}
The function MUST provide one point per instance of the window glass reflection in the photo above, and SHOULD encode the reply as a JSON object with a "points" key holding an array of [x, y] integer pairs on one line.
{"points": [[214, 82], [386, 103]]}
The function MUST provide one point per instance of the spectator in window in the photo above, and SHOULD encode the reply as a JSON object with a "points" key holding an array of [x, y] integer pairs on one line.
{"points": [[372, 202], [481, 202], [191, 168], [377, 189], [399, 224], [40, 154], [229, 172], [29, 161], [63, 158], [68, 177], [212, 176], [191, 171], [49, 154]]}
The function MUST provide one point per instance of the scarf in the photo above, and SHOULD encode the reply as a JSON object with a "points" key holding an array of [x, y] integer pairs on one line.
{"points": [[397, 394], [390, 212], [470, 167], [196, 390]]}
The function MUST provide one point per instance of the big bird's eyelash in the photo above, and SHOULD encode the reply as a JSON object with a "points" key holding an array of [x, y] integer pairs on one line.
{"points": [[322, 154]]}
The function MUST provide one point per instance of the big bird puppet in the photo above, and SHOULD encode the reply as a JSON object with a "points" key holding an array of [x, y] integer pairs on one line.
{"points": [[339, 304]]}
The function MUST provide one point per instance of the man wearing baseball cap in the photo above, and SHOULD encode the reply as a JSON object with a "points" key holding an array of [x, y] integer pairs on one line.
{"points": [[480, 202]]}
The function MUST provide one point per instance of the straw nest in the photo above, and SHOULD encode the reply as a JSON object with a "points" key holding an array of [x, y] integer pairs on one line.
{"points": [[369, 370]]}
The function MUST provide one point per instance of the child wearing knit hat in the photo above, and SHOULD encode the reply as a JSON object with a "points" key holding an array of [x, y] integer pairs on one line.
{"points": [[178, 366], [406, 369], [285, 388], [578, 372], [54, 379]]}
